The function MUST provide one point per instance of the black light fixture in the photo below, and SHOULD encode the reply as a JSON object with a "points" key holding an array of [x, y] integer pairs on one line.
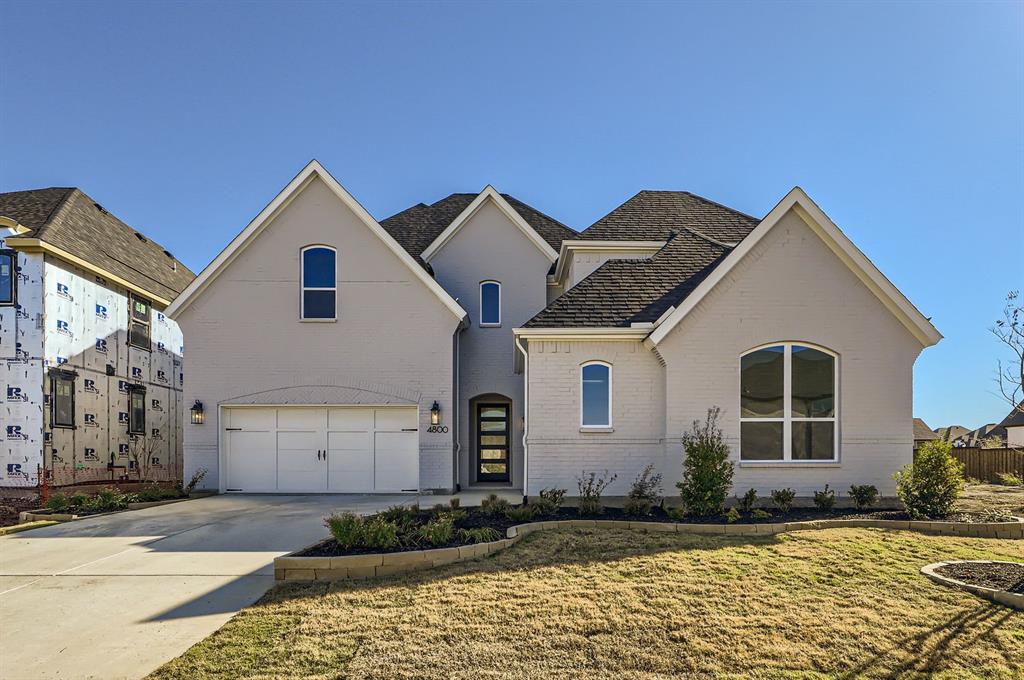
{"points": [[197, 413], [435, 414]]}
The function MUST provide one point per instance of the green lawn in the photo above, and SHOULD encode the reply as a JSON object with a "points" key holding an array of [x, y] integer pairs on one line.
{"points": [[620, 604]]}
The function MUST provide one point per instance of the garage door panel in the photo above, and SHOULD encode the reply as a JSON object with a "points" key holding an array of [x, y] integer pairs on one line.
{"points": [[396, 463], [349, 462], [310, 440], [251, 461], [350, 419], [301, 418], [299, 466], [395, 418], [252, 418]]}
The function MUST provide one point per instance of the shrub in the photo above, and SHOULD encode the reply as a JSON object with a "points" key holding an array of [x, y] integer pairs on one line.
{"points": [[747, 500], [644, 493], [783, 499], [1010, 479], [707, 470], [591, 487], [453, 502], [825, 499], [930, 486], [521, 513], [58, 502], [346, 528], [863, 495], [494, 505], [78, 500], [549, 501], [197, 477], [478, 535], [108, 499], [759, 513], [732, 515], [438, 530], [676, 514], [402, 516], [379, 533]]}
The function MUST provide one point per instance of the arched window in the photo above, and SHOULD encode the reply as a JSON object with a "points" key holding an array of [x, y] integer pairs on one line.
{"points": [[490, 303], [596, 394], [319, 284], [788, 403]]}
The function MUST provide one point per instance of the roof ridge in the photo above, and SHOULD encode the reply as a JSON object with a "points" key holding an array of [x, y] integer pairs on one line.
{"points": [[722, 205], [723, 244], [58, 210]]}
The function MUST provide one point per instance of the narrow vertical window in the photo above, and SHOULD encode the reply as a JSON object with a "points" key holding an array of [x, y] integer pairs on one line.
{"points": [[138, 322], [319, 283], [596, 395], [8, 280], [490, 303], [788, 396], [136, 410], [62, 399]]}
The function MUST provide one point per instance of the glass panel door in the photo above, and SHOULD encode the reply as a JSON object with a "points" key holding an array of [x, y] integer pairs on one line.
{"points": [[492, 433]]}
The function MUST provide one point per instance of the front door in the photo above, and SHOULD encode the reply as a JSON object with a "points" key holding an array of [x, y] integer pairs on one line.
{"points": [[492, 443]]}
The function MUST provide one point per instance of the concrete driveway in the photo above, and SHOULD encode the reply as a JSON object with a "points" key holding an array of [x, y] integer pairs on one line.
{"points": [[117, 596]]}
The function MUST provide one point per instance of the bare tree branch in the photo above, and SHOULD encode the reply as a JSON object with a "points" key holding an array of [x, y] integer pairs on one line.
{"points": [[1010, 331]]}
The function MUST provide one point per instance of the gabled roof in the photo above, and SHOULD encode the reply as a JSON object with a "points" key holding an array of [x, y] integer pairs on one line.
{"points": [[656, 215], [312, 171], [978, 437], [68, 223], [417, 227], [1014, 418], [922, 432]]}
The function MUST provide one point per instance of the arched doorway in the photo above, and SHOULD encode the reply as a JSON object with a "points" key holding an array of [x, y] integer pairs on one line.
{"points": [[491, 427]]}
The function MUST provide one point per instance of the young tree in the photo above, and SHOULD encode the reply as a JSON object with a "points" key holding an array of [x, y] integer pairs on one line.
{"points": [[1010, 331]]}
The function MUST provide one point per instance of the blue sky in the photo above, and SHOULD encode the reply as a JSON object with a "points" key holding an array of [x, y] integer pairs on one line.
{"points": [[904, 121]]}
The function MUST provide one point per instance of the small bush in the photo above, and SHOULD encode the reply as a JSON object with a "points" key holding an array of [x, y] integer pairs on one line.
{"points": [[346, 528], [108, 499], [732, 515], [549, 502], [402, 516], [454, 502], [591, 487], [783, 499], [58, 502], [521, 513], [1010, 479], [747, 500], [197, 477], [676, 514], [707, 470], [78, 500], [494, 505], [825, 499], [759, 513], [379, 533], [644, 493], [478, 535], [930, 486], [438, 531], [863, 495]]}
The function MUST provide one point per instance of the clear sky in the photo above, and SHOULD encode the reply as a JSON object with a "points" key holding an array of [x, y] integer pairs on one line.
{"points": [[904, 121]]}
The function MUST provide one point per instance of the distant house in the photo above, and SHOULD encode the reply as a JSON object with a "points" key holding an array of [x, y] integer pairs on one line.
{"points": [[951, 433], [922, 433], [987, 436], [1014, 426]]}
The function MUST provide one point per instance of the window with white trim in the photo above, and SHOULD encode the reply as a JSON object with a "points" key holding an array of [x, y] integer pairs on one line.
{"points": [[490, 303], [596, 394], [788, 401], [319, 284], [8, 277]]}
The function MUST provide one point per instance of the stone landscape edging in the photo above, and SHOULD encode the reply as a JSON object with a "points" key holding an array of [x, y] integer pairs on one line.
{"points": [[1004, 597], [349, 567], [36, 515]]}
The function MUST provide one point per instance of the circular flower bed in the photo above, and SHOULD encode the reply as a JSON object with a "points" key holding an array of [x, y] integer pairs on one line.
{"points": [[1001, 582]]}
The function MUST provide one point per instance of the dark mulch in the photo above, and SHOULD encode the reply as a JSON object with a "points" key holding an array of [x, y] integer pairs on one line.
{"points": [[1008, 576], [476, 519], [10, 507]]}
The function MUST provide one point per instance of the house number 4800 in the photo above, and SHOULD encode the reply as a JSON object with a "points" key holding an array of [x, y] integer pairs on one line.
{"points": [[440, 429]]}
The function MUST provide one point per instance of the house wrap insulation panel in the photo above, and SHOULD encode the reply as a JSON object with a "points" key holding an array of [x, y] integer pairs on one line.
{"points": [[80, 324]]}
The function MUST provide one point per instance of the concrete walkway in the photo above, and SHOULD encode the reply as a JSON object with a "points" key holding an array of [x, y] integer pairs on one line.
{"points": [[117, 596]]}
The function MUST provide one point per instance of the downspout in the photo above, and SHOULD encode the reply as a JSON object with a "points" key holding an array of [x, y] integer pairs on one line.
{"points": [[456, 407], [526, 416]]}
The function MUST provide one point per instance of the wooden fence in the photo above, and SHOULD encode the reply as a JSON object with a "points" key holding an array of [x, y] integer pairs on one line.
{"points": [[985, 464]]}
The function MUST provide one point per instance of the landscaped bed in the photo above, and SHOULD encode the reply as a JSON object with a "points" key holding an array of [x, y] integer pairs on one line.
{"points": [[1007, 576], [605, 603]]}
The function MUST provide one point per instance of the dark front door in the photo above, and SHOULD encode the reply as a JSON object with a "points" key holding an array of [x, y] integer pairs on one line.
{"points": [[492, 439]]}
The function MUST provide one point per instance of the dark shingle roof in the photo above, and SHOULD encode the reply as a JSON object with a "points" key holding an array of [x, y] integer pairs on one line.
{"points": [[1014, 417], [416, 228], [700, 234], [922, 432], [68, 219]]}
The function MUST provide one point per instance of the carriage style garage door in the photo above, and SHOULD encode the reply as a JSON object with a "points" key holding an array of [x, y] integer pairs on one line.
{"points": [[343, 449]]}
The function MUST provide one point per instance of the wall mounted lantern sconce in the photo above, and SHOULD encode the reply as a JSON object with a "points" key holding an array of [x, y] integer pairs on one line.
{"points": [[197, 413]]}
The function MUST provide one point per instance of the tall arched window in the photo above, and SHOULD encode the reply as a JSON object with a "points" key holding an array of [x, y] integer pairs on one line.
{"points": [[319, 284], [596, 394], [788, 403], [490, 303]]}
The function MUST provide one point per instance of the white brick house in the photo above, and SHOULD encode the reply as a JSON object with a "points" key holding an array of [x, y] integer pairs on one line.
{"points": [[478, 342]]}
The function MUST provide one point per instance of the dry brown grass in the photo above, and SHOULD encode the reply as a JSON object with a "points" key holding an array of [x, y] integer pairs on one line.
{"points": [[618, 604], [982, 497]]}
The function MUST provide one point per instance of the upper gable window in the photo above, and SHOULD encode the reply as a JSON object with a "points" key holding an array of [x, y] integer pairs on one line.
{"points": [[138, 322], [490, 303], [596, 394], [8, 282], [788, 399], [319, 284]]}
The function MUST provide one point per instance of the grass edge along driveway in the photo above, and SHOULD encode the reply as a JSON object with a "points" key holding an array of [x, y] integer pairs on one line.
{"points": [[621, 604]]}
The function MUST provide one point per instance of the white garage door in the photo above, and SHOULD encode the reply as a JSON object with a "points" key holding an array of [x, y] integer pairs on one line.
{"points": [[343, 449]]}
